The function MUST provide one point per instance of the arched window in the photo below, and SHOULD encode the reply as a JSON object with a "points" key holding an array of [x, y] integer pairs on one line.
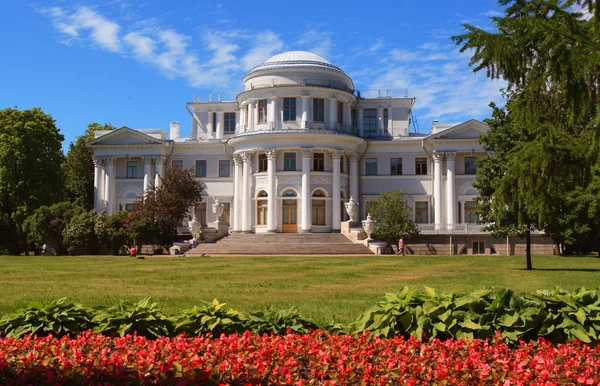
{"points": [[290, 193], [318, 208], [261, 208]]}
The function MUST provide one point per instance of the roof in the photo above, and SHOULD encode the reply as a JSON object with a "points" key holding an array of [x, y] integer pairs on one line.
{"points": [[296, 59]]}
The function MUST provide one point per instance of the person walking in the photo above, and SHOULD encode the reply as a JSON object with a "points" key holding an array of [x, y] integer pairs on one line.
{"points": [[400, 247]]}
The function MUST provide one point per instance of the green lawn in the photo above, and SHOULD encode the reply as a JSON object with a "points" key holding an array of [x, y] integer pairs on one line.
{"points": [[321, 287]]}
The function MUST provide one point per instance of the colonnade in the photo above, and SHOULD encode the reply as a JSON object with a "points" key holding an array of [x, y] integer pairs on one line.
{"points": [[438, 159]]}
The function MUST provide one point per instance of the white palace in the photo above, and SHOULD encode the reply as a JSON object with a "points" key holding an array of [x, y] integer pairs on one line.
{"points": [[296, 143]]}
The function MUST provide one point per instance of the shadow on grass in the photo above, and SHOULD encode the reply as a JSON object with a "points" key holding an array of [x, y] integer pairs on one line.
{"points": [[560, 269]]}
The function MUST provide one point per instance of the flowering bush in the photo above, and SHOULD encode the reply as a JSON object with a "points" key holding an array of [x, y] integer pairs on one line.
{"points": [[292, 359]]}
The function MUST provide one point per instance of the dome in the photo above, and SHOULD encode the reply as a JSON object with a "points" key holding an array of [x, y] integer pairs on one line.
{"points": [[296, 59]]}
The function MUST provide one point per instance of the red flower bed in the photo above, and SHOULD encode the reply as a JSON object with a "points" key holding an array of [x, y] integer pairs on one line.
{"points": [[292, 359]]}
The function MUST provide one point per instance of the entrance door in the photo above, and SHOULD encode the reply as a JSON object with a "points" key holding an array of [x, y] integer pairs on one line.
{"points": [[290, 216]]}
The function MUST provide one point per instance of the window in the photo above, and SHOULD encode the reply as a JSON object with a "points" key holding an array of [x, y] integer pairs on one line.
{"points": [[246, 115], [132, 169], [200, 212], [226, 212], [318, 110], [229, 120], [478, 248], [396, 166], [421, 166], [261, 208], [289, 109], [201, 168], [214, 122], [386, 119], [319, 162], [224, 168], [129, 207], [318, 208], [353, 118], [289, 162], [470, 216], [262, 111], [370, 122], [177, 164], [262, 162], [422, 212], [340, 113], [470, 167], [371, 167]]}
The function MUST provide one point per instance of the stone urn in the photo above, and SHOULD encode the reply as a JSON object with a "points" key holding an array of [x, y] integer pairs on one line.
{"points": [[194, 226], [369, 226], [351, 208], [217, 209]]}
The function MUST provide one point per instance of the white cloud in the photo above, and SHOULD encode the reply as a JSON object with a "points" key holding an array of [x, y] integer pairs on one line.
{"points": [[317, 42], [492, 13], [267, 44]]}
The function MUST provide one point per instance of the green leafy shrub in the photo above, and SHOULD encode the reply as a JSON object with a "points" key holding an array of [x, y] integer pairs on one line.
{"points": [[143, 317], [278, 322], [211, 317], [58, 318]]}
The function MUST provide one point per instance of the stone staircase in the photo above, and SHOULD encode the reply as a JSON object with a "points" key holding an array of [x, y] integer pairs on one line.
{"points": [[282, 244]]}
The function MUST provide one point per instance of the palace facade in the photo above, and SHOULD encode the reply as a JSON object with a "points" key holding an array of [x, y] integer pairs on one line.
{"points": [[296, 143]]}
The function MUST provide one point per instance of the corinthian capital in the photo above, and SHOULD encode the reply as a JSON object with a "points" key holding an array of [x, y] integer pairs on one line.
{"points": [[147, 159], [98, 161], [160, 159], [247, 156], [437, 156], [450, 155], [352, 156], [306, 152], [237, 159], [336, 153], [272, 153]]}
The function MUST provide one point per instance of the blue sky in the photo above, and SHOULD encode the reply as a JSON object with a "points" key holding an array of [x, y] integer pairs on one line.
{"points": [[137, 63]]}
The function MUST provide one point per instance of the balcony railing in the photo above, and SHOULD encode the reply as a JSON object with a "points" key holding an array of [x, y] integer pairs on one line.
{"points": [[451, 228]]}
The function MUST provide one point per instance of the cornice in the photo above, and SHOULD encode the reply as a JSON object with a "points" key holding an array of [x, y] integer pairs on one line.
{"points": [[301, 134], [250, 94]]}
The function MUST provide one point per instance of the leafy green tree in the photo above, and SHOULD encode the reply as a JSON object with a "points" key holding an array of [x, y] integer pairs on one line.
{"points": [[111, 230], [30, 177], [78, 167], [392, 216], [79, 233], [46, 226]]}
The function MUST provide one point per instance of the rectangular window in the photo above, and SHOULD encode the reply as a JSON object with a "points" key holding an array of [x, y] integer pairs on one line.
{"points": [[353, 118], [289, 162], [201, 168], [371, 167], [470, 167], [229, 121], [340, 113], [421, 166], [318, 110], [224, 168], [261, 210], [386, 119], [129, 207], [318, 212], [214, 122], [370, 121], [262, 111], [262, 163], [200, 211], [226, 212], [132, 169], [470, 216], [289, 109], [246, 115], [422, 212], [396, 166], [177, 164], [478, 248], [319, 162]]}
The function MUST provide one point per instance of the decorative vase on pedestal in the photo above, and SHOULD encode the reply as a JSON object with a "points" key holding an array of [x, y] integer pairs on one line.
{"points": [[217, 209], [351, 208], [369, 226], [194, 227]]}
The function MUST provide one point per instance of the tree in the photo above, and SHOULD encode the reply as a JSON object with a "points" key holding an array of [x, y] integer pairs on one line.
{"points": [[30, 177], [392, 216], [46, 226], [111, 230], [155, 218], [79, 233], [78, 168]]}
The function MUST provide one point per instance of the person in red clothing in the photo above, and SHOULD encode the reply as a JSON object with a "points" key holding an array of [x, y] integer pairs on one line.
{"points": [[133, 251], [400, 247]]}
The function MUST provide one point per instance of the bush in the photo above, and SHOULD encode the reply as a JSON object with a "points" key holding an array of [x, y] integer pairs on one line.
{"points": [[210, 318], [271, 321], [143, 318]]}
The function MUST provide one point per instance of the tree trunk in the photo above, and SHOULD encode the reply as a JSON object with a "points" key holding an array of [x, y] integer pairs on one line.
{"points": [[528, 250]]}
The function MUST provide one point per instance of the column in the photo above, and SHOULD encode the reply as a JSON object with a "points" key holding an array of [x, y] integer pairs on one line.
{"points": [[306, 199], [246, 192], [98, 175], [237, 192], [159, 163], [272, 114], [147, 173], [353, 161], [333, 107], [304, 118], [109, 184], [437, 188], [220, 124], [450, 199], [348, 115], [271, 190], [379, 121], [360, 122], [251, 114], [242, 120], [336, 213]]}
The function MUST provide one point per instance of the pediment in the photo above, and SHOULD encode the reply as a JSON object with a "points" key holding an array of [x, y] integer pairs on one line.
{"points": [[125, 136], [466, 130]]}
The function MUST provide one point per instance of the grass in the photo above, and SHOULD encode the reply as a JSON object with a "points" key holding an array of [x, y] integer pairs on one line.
{"points": [[321, 287]]}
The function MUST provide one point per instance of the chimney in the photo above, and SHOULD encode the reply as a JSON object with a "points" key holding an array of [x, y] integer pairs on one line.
{"points": [[434, 126], [174, 130]]}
